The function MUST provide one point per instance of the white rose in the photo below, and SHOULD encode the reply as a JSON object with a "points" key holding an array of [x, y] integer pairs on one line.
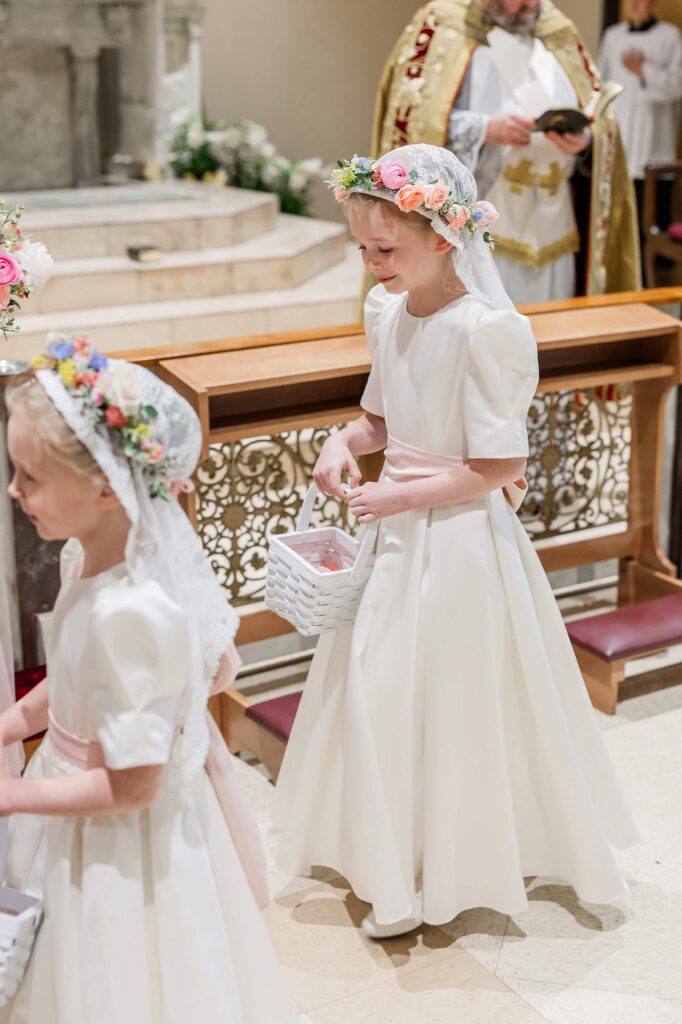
{"points": [[312, 166], [195, 135], [298, 180], [120, 386], [254, 134], [233, 136], [36, 263]]}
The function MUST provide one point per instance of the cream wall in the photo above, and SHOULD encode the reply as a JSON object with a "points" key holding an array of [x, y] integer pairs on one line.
{"points": [[308, 69]]}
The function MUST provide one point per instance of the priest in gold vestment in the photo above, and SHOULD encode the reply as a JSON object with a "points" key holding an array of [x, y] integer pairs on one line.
{"points": [[474, 76]]}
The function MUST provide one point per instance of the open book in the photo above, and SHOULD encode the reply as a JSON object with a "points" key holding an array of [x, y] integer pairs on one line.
{"points": [[571, 119]]}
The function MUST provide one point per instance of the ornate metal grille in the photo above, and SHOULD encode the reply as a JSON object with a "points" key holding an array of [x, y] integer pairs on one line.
{"points": [[248, 490], [578, 470]]}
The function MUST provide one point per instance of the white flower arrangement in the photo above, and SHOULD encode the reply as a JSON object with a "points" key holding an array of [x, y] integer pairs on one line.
{"points": [[240, 154]]}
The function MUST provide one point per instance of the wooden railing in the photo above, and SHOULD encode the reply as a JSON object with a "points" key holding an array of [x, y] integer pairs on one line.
{"points": [[264, 386]]}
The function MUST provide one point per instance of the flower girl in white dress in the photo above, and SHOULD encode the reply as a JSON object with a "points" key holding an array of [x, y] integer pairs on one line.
{"points": [[128, 821], [445, 746]]}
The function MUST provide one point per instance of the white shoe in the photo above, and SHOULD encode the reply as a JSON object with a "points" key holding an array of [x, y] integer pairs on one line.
{"points": [[376, 931]]}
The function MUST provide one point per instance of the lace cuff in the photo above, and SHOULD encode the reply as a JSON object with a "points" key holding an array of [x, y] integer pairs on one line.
{"points": [[466, 135]]}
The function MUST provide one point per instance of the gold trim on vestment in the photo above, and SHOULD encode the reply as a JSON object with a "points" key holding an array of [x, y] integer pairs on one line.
{"points": [[537, 258]]}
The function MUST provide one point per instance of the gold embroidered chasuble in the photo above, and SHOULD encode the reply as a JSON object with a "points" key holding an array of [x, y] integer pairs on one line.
{"points": [[419, 86]]}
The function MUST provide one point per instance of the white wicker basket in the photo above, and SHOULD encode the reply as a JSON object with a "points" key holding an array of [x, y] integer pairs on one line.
{"points": [[20, 917], [302, 592]]}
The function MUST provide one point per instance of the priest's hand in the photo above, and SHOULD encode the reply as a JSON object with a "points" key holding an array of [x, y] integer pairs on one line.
{"points": [[633, 60], [510, 130], [570, 143]]}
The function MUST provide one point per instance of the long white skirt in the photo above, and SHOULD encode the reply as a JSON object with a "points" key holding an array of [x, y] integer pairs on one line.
{"points": [[446, 741], [149, 918]]}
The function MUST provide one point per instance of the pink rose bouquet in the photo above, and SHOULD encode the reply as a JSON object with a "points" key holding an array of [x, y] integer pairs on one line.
{"points": [[25, 266]]}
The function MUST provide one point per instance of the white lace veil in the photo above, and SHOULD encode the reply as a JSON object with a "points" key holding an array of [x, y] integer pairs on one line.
{"points": [[162, 545], [473, 258]]}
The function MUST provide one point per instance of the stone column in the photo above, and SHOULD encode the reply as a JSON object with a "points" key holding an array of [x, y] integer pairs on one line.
{"points": [[141, 67], [85, 121]]}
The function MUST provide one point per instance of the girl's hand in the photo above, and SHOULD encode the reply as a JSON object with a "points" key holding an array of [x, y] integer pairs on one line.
{"points": [[376, 501], [336, 459]]}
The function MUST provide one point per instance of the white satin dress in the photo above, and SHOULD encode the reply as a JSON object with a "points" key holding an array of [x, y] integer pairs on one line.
{"points": [[445, 742], [149, 918]]}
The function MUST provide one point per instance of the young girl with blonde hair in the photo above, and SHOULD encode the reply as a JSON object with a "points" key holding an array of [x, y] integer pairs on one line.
{"points": [[445, 747], [128, 821]]}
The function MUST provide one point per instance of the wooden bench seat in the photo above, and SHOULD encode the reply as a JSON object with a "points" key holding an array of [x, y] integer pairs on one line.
{"points": [[603, 643], [261, 728]]}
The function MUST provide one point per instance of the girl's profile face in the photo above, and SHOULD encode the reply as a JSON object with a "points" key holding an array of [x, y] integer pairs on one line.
{"points": [[59, 502], [402, 255]]}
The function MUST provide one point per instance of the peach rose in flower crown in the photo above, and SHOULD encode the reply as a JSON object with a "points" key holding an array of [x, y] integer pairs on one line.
{"points": [[410, 198], [340, 194], [393, 174], [4, 296], [436, 196], [457, 218]]}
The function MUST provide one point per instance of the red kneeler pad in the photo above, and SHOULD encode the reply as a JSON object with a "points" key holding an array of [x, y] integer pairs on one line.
{"points": [[276, 715]]}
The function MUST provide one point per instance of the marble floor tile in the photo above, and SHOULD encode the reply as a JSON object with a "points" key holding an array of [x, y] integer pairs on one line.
{"points": [[634, 946], [324, 955], [454, 991], [591, 1006], [480, 932]]}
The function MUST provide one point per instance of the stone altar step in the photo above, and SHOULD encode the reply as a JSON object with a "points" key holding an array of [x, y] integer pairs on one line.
{"points": [[328, 298], [173, 215], [294, 251]]}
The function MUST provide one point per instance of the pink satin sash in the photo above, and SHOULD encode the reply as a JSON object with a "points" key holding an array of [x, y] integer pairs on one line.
{"points": [[404, 462], [85, 754], [82, 753]]}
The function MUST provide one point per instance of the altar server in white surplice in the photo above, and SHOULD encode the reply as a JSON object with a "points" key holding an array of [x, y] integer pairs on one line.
{"points": [[644, 55]]}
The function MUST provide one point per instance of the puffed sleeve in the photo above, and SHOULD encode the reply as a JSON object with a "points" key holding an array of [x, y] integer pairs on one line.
{"points": [[141, 655], [501, 381], [375, 304]]}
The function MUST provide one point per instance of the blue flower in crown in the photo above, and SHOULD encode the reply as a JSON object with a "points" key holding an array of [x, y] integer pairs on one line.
{"points": [[98, 362], [61, 349]]}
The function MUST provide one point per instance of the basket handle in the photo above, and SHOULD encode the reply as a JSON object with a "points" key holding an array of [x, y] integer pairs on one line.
{"points": [[366, 545]]}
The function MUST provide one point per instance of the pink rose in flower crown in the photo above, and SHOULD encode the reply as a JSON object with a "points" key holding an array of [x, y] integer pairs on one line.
{"points": [[10, 271], [410, 198], [436, 196], [457, 218], [490, 214], [393, 174]]}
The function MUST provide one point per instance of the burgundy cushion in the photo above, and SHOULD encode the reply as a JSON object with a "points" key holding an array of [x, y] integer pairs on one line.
{"points": [[631, 630], [26, 678], [675, 232], [276, 715]]}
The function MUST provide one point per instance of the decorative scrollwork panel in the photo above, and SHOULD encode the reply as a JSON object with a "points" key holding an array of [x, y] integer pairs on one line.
{"points": [[249, 490], [578, 470]]}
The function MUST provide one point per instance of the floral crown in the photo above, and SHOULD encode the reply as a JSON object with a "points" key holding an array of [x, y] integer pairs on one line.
{"points": [[409, 194], [107, 395]]}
